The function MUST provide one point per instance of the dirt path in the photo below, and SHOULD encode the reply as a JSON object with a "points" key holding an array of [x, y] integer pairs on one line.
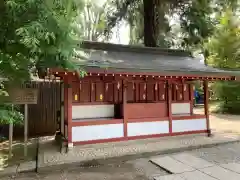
{"points": [[222, 123], [225, 123]]}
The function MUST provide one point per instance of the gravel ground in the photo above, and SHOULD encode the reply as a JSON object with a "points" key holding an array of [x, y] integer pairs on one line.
{"points": [[139, 169]]}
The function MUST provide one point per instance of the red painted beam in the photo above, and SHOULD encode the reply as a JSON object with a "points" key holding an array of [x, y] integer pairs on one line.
{"points": [[166, 75]]}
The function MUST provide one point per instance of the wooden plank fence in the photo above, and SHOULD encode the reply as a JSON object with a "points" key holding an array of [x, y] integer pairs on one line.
{"points": [[43, 116]]}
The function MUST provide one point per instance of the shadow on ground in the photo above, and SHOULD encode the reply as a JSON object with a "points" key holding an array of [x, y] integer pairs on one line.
{"points": [[17, 153]]}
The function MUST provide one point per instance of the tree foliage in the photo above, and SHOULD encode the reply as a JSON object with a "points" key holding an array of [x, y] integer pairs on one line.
{"points": [[10, 114], [34, 35], [91, 20], [224, 52], [147, 19], [151, 21], [196, 22]]}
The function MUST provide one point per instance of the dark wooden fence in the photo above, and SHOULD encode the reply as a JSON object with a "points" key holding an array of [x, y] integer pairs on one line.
{"points": [[42, 116]]}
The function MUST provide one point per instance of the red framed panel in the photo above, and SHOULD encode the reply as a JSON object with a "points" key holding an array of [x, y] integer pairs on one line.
{"points": [[97, 122], [109, 92], [142, 91], [150, 91], [192, 117], [99, 92], [135, 120], [186, 92], [173, 91], [179, 92], [162, 91], [146, 110], [118, 91], [131, 92], [84, 91], [75, 92]]}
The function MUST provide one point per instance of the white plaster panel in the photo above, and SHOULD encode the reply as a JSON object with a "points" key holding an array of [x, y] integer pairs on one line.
{"points": [[88, 133], [92, 111], [147, 128], [189, 125], [180, 108]]}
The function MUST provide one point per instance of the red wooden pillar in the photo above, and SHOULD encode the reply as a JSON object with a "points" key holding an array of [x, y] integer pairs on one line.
{"points": [[68, 108], [125, 118], [191, 95], [169, 102], [206, 107]]}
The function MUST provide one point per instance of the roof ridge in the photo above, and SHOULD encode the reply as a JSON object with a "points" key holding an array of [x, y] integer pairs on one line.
{"points": [[132, 48]]}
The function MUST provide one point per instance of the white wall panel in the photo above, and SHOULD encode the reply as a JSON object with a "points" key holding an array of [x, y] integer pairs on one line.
{"points": [[106, 131], [189, 125], [147, 128], [92, 111], [180, 108]]}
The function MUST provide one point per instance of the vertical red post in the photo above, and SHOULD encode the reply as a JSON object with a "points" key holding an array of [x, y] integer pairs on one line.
{"points": [[156, 90], [169, 102], [191, 96], [206, 107], [125, 118]]}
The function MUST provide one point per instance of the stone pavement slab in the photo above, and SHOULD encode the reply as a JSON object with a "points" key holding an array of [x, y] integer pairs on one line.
{"points": [[220, 173], [196, 175], [235, 167], [170, 177], [170, 164], [191, 160], [193, 175]]}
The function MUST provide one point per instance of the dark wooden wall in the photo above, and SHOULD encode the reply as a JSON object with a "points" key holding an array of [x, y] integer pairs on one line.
{"points": [[43, 115]]}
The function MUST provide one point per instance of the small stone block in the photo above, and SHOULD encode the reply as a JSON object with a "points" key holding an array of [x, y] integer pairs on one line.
{"points": [[196, 175], [220, 173], [171, 164]]}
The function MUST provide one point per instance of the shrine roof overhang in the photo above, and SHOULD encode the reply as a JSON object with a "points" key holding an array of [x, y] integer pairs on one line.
{"points": [[97, 57]]}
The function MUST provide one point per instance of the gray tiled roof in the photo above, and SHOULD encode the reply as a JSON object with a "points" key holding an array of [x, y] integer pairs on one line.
{"points": [[135, 59]]}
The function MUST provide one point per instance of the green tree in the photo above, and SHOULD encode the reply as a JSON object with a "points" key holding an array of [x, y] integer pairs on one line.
{"points": [[150, 20], [224, 52], [196, 22], [147, 19], [91, 20], [138, 27], [34, 35]]}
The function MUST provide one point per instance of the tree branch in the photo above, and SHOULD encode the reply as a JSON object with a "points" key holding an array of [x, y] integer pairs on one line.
{"points": [[118, 15]]}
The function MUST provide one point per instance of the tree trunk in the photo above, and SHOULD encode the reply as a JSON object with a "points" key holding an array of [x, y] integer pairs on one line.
{"points": [[150, 25]]}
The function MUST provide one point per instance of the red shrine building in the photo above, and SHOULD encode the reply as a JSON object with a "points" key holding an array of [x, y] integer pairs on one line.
{"points": [[133, 93]]}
